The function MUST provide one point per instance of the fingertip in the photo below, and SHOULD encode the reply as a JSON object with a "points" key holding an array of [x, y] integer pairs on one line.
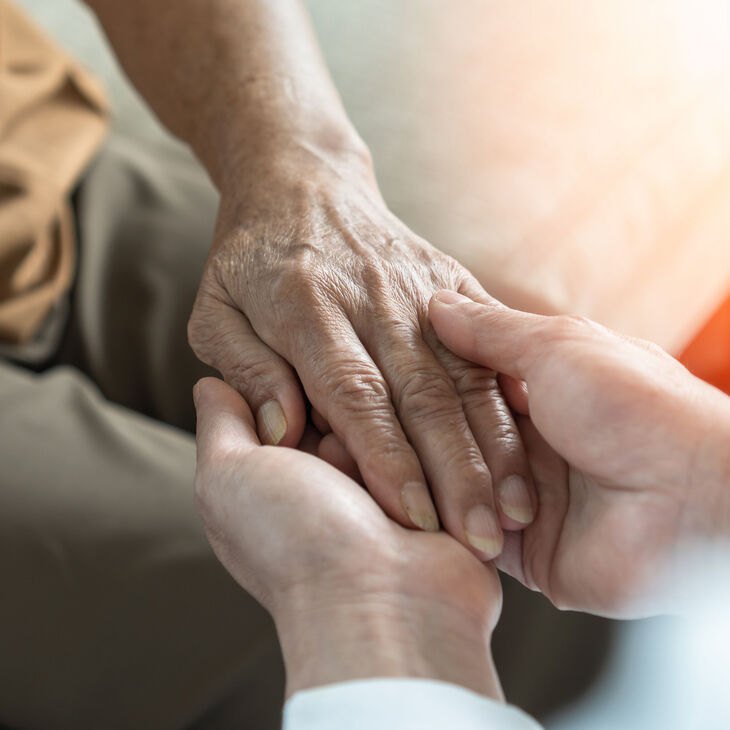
{"points": [[224, 420], [448, 297], [210, 390], [515, 502], [483, 532], [417, 502], [281, 419]]}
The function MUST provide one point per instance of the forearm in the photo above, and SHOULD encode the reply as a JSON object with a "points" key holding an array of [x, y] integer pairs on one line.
{"points": [[236, 79]]}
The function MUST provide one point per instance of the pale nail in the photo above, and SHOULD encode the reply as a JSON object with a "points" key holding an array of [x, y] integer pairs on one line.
{"points": [[417, 503], [483, 532], [514, 499], [271, 423], [446, 296]]}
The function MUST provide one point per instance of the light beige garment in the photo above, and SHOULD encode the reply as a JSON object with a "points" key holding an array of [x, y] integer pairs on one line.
{"points": [[53, 116]]}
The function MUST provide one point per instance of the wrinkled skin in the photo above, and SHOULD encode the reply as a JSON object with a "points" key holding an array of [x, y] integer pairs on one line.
{"points": [[628, 451], [313, 284], [373, 598]]}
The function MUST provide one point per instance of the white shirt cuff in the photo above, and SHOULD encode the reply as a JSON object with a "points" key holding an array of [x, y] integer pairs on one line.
{"points": [[401, 704]]}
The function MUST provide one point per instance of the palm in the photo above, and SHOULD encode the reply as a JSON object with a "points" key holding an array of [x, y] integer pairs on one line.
{"points": [[340, 532], [596, 544]]}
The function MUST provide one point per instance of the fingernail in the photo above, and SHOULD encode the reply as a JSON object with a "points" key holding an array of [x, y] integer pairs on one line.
{"points": [[445, 296], [196, 394], [483, 532], [417, 503], [271, 423], [514, 499]]}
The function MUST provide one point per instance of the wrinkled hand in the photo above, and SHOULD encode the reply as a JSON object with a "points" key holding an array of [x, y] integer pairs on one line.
{"points": [[628, 451], [312, 279], [353, 594]]}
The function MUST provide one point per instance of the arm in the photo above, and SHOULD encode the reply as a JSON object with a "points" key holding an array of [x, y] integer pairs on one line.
{"points": [[236, 80], [311, 279]]}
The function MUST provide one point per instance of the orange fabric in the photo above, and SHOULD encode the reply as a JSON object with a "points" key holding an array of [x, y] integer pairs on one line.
{"points": [[708, 355], [53, 117]]}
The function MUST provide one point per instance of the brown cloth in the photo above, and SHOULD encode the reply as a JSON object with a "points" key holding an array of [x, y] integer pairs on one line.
{"points": [[53, 117]]}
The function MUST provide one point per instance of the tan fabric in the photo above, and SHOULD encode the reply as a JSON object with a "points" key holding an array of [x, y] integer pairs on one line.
{"points": [[53, 116]]}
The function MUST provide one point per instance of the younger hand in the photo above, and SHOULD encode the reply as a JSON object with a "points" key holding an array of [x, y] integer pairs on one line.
{"points": [[629, 452], [353, 594]]}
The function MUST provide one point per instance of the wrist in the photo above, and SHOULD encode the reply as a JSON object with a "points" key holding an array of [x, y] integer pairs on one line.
{"points": [[329, 640], [277, 131]]}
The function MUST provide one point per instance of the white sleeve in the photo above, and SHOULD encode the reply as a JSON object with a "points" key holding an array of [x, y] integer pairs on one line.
{"points": [[401, 704]]}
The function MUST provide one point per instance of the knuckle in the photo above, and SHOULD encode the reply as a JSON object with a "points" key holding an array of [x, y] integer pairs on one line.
{"points": [[249, 373], [426, 394], [384, 452], [298, 276], [473, 382], [203, 325], [506, 440], [361, 389], [200, 335]]}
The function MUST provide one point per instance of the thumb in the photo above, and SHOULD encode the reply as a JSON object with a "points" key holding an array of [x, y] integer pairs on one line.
{"points": [[225, 423], [490, 334]]}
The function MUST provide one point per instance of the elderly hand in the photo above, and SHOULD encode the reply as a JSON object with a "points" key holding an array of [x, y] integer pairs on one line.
{"points": [[628, 450], [312, 279], [353, 594]]}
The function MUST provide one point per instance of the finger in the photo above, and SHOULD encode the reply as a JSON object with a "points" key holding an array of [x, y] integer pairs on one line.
{"points": [[430, 411], [515, 393], [496, 434], [225, 423], [509, 560], [221, 336], [533, 566], [489, 334], [346, 387], [333, 452]]}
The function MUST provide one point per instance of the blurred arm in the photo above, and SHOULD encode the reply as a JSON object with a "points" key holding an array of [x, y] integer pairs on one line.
{"points": [[233, 78]]}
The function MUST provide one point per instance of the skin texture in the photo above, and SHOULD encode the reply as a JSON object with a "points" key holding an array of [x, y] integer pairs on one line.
{"points": [[353, 594], [629, 452], [314, 292]]}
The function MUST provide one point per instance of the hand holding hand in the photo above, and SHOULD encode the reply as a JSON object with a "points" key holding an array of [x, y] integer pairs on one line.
{"points": [[628, 450], [312, 279], [353, 594]]}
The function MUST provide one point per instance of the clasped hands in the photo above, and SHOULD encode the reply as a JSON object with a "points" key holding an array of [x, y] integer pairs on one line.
{"points": [[629, 461]]}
